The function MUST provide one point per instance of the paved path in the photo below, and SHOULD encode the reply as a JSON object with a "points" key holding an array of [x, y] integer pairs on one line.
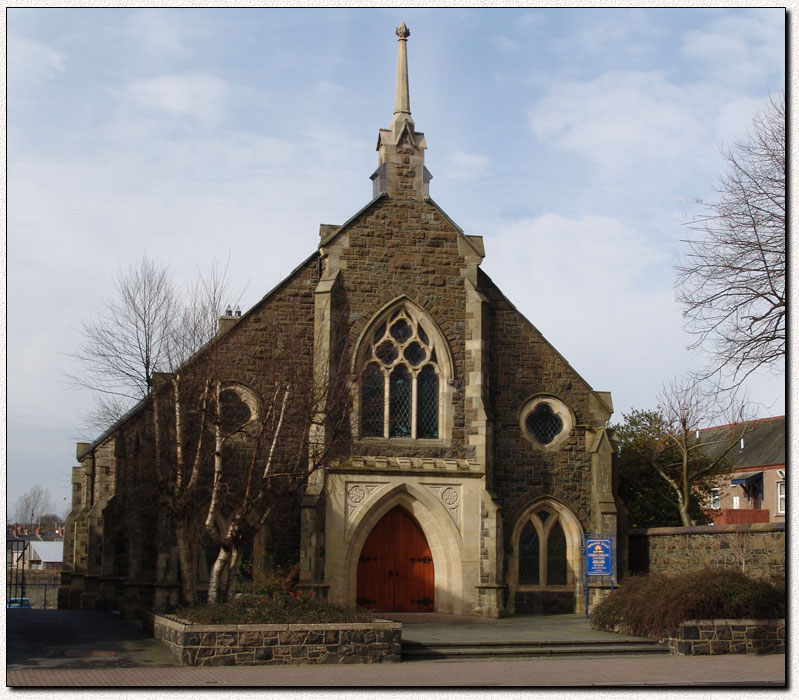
{"points": [[657, 671], [82, 648]]}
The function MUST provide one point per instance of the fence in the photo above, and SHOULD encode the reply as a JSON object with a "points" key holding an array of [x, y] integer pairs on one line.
{"points": [[40, 587]]}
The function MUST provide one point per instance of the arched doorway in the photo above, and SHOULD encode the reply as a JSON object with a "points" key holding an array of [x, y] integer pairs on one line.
{"points": [[395, 568]]}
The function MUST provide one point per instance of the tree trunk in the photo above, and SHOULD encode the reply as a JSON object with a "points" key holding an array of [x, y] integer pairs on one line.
{"points": [[217, 574], [188, 573]]}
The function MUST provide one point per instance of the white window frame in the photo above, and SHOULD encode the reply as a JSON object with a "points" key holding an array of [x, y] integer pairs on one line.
{"points": [[781, 497], [715, 498]]}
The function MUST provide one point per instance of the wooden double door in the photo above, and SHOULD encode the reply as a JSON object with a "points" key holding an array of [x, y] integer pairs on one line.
{"points": [[395, 569]]}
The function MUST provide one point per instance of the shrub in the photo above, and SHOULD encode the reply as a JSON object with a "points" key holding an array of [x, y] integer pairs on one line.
{"points": [[273, 598], [655, 605]]}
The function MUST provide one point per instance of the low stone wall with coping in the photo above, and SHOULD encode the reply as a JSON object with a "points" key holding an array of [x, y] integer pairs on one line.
{"points": [[705, 637], [236, 645]]}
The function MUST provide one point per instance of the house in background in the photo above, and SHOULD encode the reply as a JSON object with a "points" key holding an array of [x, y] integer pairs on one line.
{"points": [[45, 556], [754, 491]]}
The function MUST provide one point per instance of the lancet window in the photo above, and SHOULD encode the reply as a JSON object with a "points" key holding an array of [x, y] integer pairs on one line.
{"points": [[401, 379]]}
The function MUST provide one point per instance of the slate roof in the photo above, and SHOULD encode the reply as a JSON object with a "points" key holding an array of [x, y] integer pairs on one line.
{"points": [[763, 443], [49, 552]]}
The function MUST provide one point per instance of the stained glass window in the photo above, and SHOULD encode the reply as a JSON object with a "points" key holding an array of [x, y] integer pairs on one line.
{"points": [[400, 350], [399, 402], [544, 424], [529, 562], [233, 411], [427, 408], [556, 556], [372, 402]]}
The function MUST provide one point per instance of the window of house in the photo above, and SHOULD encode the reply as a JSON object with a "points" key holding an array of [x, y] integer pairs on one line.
{"points": [[736, 502], [400, 381], [715, 498], [542, 557], [781, 497]]}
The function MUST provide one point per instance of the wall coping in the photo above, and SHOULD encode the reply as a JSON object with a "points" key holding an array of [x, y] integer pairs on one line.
{"points": [[188, 626], [735, 621], [710, 529]]}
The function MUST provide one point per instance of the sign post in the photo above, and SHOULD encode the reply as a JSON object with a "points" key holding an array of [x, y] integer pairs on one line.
{"points": [[599, 553]]}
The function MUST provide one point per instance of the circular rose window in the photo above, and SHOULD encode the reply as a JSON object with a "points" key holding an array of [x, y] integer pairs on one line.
{"points": [[545, 421]]}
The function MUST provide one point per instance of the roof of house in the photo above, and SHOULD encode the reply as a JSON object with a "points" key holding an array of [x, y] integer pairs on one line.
{"points": [[48, 551], [763, 443]]}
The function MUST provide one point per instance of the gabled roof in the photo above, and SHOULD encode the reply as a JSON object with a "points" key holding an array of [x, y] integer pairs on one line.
{"points": [[763, 443], [48, 552]]}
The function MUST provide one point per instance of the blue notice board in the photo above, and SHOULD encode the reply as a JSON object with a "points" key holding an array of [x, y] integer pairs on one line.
{"points": [[598, 556]]}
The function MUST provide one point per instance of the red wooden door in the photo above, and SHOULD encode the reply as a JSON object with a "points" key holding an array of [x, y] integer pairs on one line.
{"points": [[395, 569]]}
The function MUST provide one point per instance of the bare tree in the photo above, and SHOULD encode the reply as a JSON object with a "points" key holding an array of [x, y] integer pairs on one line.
{"points": [[732, 281], [670, 442], [148, 327], [32, 505]]}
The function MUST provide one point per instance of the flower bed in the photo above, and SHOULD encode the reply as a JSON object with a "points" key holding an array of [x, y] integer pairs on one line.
{"points": [[236, 645], [703, 637]]}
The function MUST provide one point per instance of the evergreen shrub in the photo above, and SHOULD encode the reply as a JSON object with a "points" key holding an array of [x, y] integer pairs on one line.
{"points": [[655, 605], [272, 598]]}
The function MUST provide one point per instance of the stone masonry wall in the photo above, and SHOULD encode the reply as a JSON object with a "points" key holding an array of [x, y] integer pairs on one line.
{"points": [[407, 248], [523, 364], [248, 645], [757, 548], [707, 637]]}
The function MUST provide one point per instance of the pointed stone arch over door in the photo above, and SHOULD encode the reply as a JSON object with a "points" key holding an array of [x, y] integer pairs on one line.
{"points": [[395, 568]]}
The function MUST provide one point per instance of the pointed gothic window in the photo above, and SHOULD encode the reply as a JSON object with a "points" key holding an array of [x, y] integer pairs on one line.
{"points": [[542, 558], [400, 381]]}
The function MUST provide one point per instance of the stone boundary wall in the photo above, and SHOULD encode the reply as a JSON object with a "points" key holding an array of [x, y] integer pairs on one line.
{"points": [[706, 637], [757, 548], [248, 645]]}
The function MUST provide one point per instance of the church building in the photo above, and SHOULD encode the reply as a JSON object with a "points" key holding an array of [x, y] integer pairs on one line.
{"points": [[475, 459]]}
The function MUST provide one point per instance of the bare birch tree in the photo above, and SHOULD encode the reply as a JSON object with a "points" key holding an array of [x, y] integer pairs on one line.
{"points": [[731, 282], [670, 442], [149, 326]]}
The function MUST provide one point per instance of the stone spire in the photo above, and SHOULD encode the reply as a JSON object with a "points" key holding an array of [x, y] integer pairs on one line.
{"points": [[402, 104], [401, 172]]}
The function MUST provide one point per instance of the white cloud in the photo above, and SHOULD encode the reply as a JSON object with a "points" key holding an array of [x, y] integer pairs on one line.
{"points": [[631, 124], [466, 166], [31, 62], [328, 87], [156, 34], [738, 48], [199, 95]]}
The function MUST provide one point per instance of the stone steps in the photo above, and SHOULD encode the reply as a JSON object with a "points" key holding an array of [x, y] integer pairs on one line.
{"points": [[452, 651]]}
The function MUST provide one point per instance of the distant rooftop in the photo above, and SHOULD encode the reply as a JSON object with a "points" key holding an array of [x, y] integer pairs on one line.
{"points": [[763, 443]]}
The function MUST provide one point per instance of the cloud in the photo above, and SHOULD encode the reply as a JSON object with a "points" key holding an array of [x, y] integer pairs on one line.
{"points": [[157, 35], [198, 95], [630, 124], [31, 62], [327, 87], [739, 47], [466, 166]]}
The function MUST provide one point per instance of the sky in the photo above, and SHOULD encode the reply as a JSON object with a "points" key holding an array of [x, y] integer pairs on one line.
{"points": [[575, 141]]}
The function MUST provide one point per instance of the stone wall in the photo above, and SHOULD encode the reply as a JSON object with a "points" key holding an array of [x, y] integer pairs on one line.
{"points": [[756, 548], [248, 645], [705, 637]]}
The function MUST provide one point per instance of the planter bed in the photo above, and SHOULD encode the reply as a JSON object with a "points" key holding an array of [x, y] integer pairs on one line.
{"points": [[702, 637], [246, 645]]}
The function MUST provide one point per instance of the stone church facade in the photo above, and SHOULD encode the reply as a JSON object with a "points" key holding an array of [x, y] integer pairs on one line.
{"points": [[476, 457]]}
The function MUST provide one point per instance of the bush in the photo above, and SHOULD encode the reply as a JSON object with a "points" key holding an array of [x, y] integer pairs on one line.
{"points": [[655, 605], [272, 598]]}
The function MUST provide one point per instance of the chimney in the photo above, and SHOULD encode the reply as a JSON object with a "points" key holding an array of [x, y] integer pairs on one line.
{"points": [[227, 321]]}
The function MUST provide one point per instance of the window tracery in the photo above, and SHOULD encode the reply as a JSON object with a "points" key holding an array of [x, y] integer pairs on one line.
{"points": [[400, 393]]}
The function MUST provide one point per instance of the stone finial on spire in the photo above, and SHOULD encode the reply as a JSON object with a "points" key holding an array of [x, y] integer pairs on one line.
{"points": [[402, 104], [401, 172]]}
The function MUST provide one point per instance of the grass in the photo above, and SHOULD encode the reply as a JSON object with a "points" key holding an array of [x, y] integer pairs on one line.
{"points": [[656, 605], [272, 598]]}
